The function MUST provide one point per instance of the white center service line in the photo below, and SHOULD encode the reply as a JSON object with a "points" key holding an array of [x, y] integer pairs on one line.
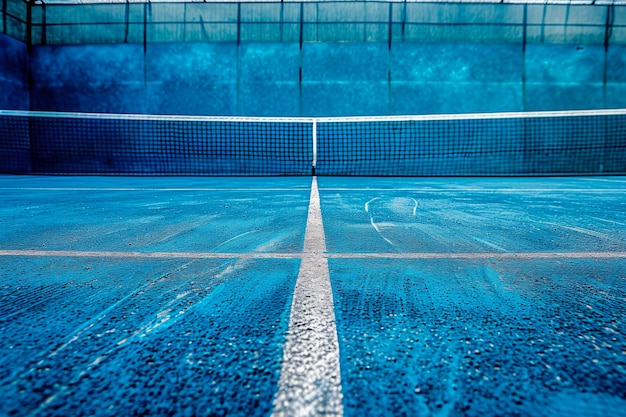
{"points": [[310, 381]]}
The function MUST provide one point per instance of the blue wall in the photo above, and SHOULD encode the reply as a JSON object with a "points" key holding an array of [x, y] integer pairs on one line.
{"points": [[106, 78], [344, 79], [616, 77], [14, 148], [13, 74], [564, 77], [456, 78], [326, 79]]}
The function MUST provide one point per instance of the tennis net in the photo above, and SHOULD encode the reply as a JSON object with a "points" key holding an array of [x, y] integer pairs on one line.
{"points": [[504, 144]]}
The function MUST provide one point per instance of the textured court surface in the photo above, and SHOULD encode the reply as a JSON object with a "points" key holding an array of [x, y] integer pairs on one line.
{"points": [[213, 296]]}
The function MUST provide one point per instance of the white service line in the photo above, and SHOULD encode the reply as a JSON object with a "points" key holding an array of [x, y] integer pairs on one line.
{"points": [[482, 255], [306, 258], [145, 189], [310, 380], [148, 255], [485, 190]]}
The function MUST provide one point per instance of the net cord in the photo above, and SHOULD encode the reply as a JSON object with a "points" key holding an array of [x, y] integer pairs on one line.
{"points": [[314, 120]]}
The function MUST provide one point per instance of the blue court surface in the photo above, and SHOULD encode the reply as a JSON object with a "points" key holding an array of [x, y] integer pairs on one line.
{"points": [[299, 296]]}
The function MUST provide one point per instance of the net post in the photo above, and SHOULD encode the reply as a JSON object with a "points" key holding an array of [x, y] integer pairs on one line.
{"points": [[314, 138]]}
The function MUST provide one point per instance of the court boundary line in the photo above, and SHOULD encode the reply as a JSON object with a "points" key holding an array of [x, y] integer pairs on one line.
{"points": [[303, 255]]}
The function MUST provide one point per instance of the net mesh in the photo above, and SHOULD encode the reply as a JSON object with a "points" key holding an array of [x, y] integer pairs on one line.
{"points": [[66, 144], [555, 143], [523, 144]]}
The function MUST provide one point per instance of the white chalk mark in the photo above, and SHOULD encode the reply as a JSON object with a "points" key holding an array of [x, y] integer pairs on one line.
{"points": [[367, 205], [491, 245], [377, 228], [235, 238], [310, 380], [582, 230], [374, 225], [608, 221], [587, 232], [396, 207], [413, 201]]}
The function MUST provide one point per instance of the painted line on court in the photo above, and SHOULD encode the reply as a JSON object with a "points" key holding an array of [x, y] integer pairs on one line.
{"points": [[320, 256], [310, 380], [486, 190], [482, 255], [603, 180], [146, 189], [149, 255]]}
